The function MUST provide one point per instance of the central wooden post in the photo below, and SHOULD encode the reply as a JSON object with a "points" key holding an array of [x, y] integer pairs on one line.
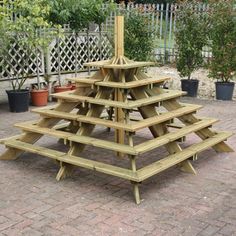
{"points": [[119, 96], [119, 36]]}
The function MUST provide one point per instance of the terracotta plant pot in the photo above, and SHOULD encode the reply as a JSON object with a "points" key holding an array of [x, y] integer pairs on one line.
{"points": [[39, 97], [58, 89], [73, 86]]}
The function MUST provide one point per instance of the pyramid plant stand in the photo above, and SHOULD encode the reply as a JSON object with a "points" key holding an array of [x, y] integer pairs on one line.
{"points": [[120, 87]]}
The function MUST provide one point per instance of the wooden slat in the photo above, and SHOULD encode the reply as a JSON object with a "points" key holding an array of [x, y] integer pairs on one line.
{"points": [[57, 114], [169, 94], [44, 107], [132, 127], [87, 119], [3, 140], [90, 80], [119, 66], [79, 139], [43, 130], [74, 160], [174, 159], [165, 117], [133, 84], [173, 136], [97, 63], [31, 123], [103, 144]]}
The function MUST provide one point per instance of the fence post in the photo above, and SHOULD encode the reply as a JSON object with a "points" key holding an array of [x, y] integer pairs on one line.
{"points": [[58, 60], [166, 33], [88, 50], [47, 69], [76, 52]]}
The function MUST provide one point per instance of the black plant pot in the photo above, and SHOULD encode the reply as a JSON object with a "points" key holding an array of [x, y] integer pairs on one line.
{"points": [[18, 100], [224, 90], [190, 86]]}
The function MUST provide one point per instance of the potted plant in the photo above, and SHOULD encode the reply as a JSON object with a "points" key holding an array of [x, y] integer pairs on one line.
{"points": [[190, 38], [32, 22], [222, 37], [18, 97]]}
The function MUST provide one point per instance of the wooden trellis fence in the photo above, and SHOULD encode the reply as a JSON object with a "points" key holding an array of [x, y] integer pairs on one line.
{"points": [[70, 55]]}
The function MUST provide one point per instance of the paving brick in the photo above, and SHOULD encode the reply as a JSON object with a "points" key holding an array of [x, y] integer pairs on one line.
{"points": [[210, 230], [228, 230], [89, 203]]}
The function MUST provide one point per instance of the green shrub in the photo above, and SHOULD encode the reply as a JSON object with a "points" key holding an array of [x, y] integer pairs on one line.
{"points": [[79, 14], [190, 38], [222, 35], [138, 37]]}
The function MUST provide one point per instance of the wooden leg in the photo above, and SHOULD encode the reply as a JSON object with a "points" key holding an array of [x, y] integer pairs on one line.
{"points": [[135, 184], [110, 115], [64, 171], [186, 166], [10, 154], [136, 192]]}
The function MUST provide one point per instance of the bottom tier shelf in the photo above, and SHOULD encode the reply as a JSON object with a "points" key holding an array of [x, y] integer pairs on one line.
{"points": [[136, 176]]}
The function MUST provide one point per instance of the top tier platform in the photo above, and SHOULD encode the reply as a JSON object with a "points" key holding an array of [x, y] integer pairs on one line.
{"points": [[108, 65]]}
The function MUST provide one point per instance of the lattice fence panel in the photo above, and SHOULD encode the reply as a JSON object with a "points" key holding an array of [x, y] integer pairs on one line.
{"points": [[19, 62], [73, 50]]}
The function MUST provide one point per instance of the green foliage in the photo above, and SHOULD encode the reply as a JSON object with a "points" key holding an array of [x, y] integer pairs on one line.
{"points": [[190, 39], [222, 36], [24, 23], [30, 25], [154, 1], [60, 11], [4, 34], [79, 14], [138, 37]]}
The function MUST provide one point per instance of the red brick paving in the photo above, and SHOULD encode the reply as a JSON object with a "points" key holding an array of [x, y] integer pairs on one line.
{"points": [[174, 203]]}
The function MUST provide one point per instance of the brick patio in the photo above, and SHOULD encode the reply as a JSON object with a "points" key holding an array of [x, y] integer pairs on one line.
{"points": [[174, 203]]}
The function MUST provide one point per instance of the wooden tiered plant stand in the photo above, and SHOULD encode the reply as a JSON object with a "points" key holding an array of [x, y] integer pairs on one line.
{"points": [[121, 87]]}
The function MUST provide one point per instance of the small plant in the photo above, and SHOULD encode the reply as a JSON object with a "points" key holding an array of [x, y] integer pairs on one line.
{"points": [[190, 38], [222, 35], [26, 27], [139, 43], [31, 23]]}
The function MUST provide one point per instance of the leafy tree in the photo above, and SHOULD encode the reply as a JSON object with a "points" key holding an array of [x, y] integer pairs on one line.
{"points": [[138, 37], [79, 14], [190, 38], [29, 29], [223, 41]]}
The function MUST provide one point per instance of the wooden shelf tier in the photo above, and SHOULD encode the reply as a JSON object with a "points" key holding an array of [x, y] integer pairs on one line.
{"points": [[130, 127], [121, 85], [137, 176], [126, 149], [107, 65], [71, 97]]}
